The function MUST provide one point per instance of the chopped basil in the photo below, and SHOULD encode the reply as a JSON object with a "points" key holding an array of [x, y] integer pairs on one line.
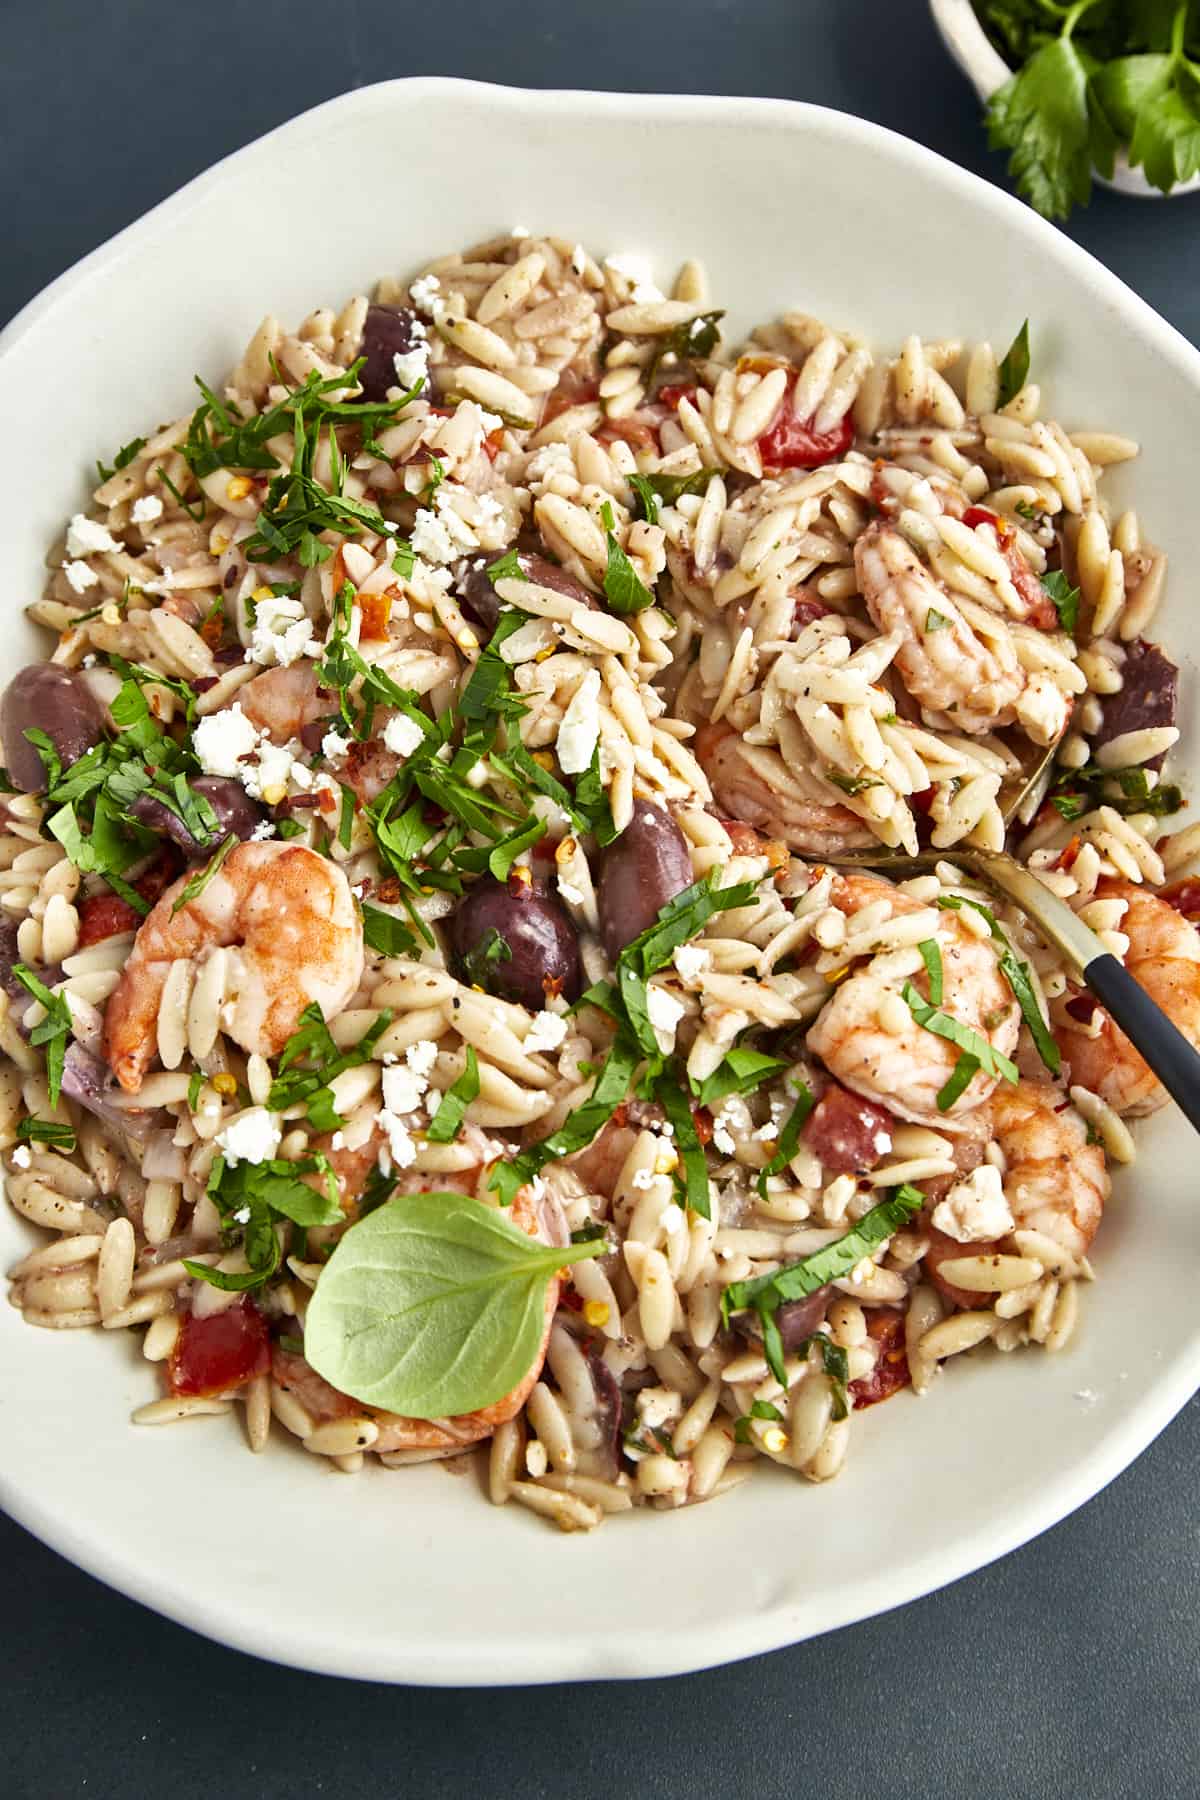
{"points": [[447, 1121], [623, 587], [578, 1128], [765, 1294], [931, 956], [674, 1102], [742, 1071], [196, 886], [851, 784], [992, 1061], [52, 1031], [386, 933], [1016, 974], [194, 1085], [311, 1061], [935, 620], [647, 497], [289, 828], [121, 460], [346, 818], [960, 1079], [670, 488], [404, 560], [1065, 598], [506, 568], [694, 338], [789, 1138], [47, 1131], [1014, 367], [679, 920], [759, 1409], [482, 957], [251, 1198]]}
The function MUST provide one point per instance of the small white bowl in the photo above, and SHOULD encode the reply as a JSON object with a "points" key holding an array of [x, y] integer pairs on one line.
{"points": [[986, 70]]}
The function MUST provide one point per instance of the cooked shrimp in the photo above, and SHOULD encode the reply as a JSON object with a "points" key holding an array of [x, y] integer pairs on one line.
{"points": [[436, 1437], [944, 663], [1055, 1181], [352, 1168], [754, 784], [283, 700], [905, 1068], [288, 918], [1164, 957]]}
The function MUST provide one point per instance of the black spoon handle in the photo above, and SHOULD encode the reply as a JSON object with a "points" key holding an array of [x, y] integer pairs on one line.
{"points": [[1148, 1028]]}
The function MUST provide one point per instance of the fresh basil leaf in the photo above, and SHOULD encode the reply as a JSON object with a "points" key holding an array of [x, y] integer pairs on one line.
{"points": [[1014, 367], [992, 1061], [386, 933], [432, 1306], [623, 587], [935, 620], [789, 1138], [578, 1129], [506, 568], [670, 488], [742, 1071], [1018, 977], [794, 1281], [1065, 598], [931, 956], [452, 1108], [647, 497], [47, 1131], [674, 1102], [196, 886], [50, 1033]]}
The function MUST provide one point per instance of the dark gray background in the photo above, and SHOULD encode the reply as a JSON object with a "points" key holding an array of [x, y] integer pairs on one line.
{"points": [[1067, 1669]]}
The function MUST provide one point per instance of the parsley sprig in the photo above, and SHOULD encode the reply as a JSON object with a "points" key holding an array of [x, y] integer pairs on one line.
{"points": [[1091, 77]]}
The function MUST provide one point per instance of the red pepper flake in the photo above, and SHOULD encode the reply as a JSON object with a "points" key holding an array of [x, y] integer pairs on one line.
{"points": [[671, 396]]}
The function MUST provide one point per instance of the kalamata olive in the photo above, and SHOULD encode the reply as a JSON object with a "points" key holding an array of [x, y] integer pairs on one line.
{"points": [[796, 1319], [387, 333], [530, 924], [644, 868], [235, 810], [479, 598], [56, 701], [10, 954]]}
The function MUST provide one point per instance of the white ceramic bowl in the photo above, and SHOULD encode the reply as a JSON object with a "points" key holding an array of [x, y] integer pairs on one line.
{"points": [[413, 1576], [986, 70]]}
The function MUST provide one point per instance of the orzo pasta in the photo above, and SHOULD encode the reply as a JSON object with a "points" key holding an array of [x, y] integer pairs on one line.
{"points": [[445, 999]]}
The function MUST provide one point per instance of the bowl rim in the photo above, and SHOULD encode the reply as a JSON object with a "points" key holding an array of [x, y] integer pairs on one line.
{"points": [[660, 1650]]}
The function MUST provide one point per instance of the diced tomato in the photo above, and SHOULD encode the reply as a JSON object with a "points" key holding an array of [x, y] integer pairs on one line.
{"points": [[922, 800], [492, 443], [890, 1373], [983, 515], [1184, 896], [670, 396], [942, 1249], [791, 443], [571, 391], [219, 1352], [105, 915], [376, 610], [702, 1120]]}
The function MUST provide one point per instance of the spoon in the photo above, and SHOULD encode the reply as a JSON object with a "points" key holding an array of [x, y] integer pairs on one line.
{"points": [[1144, 1023]]}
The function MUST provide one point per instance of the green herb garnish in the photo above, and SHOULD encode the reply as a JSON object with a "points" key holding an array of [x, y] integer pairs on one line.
{"points": [[448, 1119]]}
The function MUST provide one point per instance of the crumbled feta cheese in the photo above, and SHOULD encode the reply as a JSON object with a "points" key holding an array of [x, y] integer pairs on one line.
{"points": [[22, 1156], [401, 735], [334, 745], [263, 831], [665, 1012], [657, 1406], [487, 505], [402, 1089], [546, 1033], [146, 509], [579, 732], [222, 739], [85, 537], [412, 366], [425, 294], [403, 1150], [421, 1057], [975, 1210], [636, 269], [252, 1137], [270, 773], [722, 1137], [80, 576], [283, 632], [691, 961], [573, 895], [643, 1178], [430, 538]]}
